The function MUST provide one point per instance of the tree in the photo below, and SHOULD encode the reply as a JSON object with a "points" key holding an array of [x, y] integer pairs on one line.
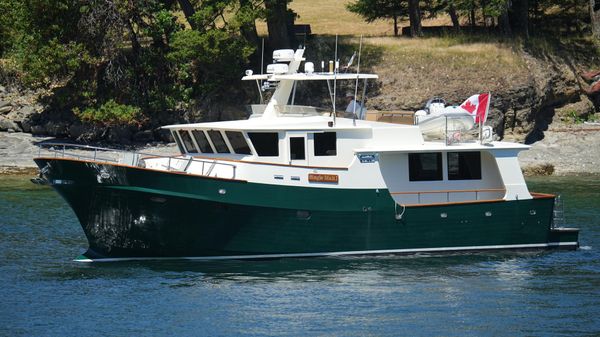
{"points": [[595, 17], [280, 24], [372, 10], [414, 14]]}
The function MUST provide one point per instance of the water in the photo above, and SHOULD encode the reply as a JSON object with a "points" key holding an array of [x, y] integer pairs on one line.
{"points": [[44, 293]]}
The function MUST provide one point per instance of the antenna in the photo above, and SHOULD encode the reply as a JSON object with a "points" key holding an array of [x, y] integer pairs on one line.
{"points": [[262, 60], [335, 76], [356, 85]]}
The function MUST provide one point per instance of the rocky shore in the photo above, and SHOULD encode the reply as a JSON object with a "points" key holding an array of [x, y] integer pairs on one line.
{"points": [[565, 150]]}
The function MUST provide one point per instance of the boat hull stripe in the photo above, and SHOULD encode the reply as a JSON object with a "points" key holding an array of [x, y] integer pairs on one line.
{"points": [[330, 254]]}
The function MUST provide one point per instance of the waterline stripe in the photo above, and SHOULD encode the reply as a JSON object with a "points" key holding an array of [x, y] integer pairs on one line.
{"points": [[356, 252]]}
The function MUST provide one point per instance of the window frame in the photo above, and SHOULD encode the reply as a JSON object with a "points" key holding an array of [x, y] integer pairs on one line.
{"points": [[464, 164], [259, 149], [318, 152], [415, 169], [208, 142], [233, 147], [209, 133]]}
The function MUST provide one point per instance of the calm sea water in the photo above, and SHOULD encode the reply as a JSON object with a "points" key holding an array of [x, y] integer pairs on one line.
{"points": [[44, 293]]}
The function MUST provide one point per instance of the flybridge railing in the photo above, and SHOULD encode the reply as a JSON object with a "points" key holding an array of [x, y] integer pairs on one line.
{"points": [[185, 164]]}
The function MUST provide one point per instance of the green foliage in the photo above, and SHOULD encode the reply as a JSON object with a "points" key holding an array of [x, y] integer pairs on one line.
{"points": [[372, 10], [110, 113]]}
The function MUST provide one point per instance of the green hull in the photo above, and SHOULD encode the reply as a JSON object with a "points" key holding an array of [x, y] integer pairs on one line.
{"points": [[129, 212]]}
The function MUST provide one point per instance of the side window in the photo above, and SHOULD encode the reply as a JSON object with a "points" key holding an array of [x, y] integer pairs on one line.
{"points": [[218, 141], [187, 141], [297, 148], [325, 144], [178, 141], [202, 141], [425, 166], [265, 143], [464, 165], [238, 143]]}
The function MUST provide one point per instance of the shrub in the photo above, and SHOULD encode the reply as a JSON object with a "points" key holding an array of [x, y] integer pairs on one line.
{"points": [[111, 113]]}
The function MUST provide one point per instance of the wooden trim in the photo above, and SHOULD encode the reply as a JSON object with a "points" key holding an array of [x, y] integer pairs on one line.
{"points": [[455, 203], [452, 191], [140, 168], [536, 195], [259, 163]]}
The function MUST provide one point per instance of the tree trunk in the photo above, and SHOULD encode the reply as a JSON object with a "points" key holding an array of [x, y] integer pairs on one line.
{"points": [[396, 24], [188, 11], [595, 17], [505, 23], [248, 30], [454, 17], [414, 14], [519, 17], [472, 19], [277, 24]]}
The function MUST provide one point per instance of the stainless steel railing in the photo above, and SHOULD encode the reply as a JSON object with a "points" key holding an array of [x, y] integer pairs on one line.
{"points": [[133, 158]]}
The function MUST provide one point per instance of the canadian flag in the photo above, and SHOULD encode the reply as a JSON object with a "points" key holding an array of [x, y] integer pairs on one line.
{"points": [[478, 106]]}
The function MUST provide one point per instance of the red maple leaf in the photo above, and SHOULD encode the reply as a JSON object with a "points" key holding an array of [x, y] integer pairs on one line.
{"points": [[469, 106]]}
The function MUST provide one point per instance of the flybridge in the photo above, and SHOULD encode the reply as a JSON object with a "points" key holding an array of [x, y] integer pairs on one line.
{"points": [[282, 76]]}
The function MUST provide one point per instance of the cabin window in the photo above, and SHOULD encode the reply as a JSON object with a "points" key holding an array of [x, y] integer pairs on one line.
{"points": [[187, 141], [325, 144], [218, 141], [266, 144], [238, 142], [297, 148], [425, 166], [178, 141], [202, 141], [464, 165]]}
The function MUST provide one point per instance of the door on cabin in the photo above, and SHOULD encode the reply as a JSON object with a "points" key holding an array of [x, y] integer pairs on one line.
{"points": [[297, 150]]}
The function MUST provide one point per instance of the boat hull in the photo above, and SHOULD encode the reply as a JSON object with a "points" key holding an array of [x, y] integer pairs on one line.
{"points": [[135, 213]]}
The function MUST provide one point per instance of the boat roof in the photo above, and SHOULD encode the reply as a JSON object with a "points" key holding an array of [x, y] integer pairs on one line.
{"points": [[315, 123], [442, 147], [310, 77]]}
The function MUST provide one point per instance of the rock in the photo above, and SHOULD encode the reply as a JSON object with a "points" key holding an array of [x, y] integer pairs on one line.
{"points": [[164, 135], [4, 104], [7, 124], [143, 136], [119, 134], [578, 110], [25, 125], [57, 129], [2, 89], [38, 130], [5, 109]]}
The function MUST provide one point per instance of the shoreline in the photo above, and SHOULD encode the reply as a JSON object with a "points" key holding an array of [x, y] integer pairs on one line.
{"points": [[565, 150]]}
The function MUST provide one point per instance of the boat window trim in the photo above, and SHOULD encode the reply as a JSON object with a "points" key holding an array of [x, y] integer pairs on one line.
{"points": [[461, 175], [243, 138], [208, 133], [303, 138], [194, 150], [210, 145], [257, 150], [326, 153], [415, 168], [178, 141]]}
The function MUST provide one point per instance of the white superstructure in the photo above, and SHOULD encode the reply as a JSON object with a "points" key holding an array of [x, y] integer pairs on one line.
{"points": [[293, 145]]}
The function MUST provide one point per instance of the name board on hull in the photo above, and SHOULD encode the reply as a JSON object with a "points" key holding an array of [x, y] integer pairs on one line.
{"points": [[323, 178]]}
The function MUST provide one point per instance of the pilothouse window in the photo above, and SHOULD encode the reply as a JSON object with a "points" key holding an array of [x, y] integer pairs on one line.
{"points": [[178, 141], [202, 141], [464, 165], [297, 148], [187, 141], [266, 144], [238, 142], [425, 166], [218, 141], [325, 144]]}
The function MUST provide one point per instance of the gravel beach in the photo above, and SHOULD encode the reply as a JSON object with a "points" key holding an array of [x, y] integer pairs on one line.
{"points": [[568, 149]]}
